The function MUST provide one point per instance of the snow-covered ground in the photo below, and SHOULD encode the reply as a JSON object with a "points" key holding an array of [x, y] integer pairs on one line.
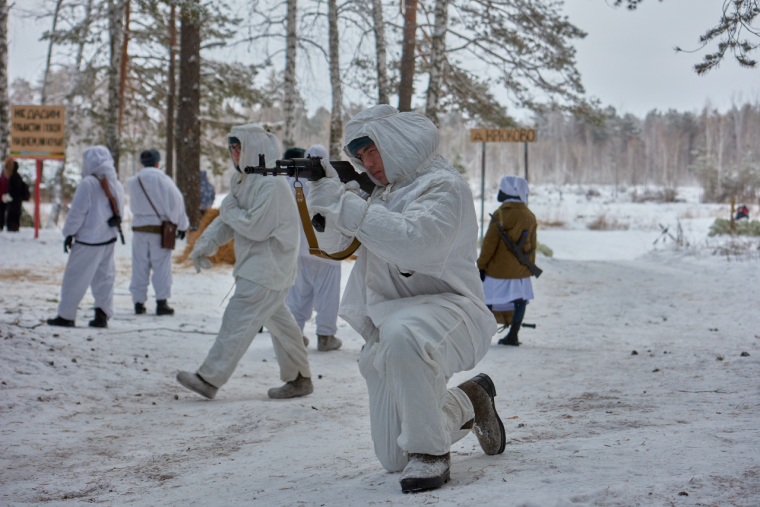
{"points": [[96, 416]]}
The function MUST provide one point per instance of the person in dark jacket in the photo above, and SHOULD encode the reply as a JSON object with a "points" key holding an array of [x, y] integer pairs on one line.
{"points": [[506, 282], [13, 191], [207, 193]]}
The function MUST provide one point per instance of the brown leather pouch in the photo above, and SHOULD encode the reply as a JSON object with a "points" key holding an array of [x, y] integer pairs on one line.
{"points": [[168, 234]]}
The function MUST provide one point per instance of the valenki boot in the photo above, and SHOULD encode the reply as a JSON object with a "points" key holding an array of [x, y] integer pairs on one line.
{"points": [[301, 386], [195, 383], [487, 425], [424, 472], [328, 342]]}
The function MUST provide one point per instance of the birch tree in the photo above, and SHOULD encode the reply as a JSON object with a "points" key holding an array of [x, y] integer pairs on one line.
{"points": [[115, 28], [383, 85], [336, 118], [437, 59], [289, 101], [82, 30]]}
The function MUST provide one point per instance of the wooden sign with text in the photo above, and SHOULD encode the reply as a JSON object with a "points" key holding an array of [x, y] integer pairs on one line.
{"points": [[502, 135], [38, 132]]}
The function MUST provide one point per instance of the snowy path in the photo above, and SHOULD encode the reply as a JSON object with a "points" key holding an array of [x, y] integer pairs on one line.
{"points": [[90, 416]]}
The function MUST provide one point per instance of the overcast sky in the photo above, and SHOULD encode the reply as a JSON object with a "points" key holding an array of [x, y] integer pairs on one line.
{"points": [[627, 60]]}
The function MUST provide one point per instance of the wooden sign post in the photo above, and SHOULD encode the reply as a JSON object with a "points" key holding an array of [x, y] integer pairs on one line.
{"points": [[38, 132], [484, 136]]}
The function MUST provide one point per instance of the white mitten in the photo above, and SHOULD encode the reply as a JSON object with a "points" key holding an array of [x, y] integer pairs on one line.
{"points": [[7, 198], [203, 249]]}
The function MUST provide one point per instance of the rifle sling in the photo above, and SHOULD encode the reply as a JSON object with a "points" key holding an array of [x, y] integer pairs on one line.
{"points": [[517, 249], [311, 236], [104, 185]]}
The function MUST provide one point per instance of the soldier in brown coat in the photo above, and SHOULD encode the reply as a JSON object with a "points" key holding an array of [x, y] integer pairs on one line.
{"points": [[506, 282]]}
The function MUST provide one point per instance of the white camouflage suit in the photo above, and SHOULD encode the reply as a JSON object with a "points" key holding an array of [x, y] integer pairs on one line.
{"points": [[146, 246], [90, 262], [414, 293], [260, 214]]}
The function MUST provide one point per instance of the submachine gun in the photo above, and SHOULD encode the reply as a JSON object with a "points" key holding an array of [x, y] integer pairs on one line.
{"points": [[310, 169]]}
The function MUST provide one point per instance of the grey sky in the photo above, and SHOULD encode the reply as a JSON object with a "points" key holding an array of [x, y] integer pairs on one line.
{"points": [[627, 59]]}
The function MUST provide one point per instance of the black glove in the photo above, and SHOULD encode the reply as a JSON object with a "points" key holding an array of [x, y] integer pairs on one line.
{"points": [[114, 221], [67, 243], [181, 234], [482, 275]]}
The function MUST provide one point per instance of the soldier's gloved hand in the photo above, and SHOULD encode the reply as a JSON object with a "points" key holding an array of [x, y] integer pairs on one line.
{"points": [[181, 234], [482, 275], [203, 249], [67, 243], [343, 209]]}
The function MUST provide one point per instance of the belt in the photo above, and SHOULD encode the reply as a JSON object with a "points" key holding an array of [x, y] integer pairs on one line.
{"points": [[112, 240], [155, 229]]}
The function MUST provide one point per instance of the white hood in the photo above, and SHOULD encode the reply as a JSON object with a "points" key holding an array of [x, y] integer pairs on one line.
{"points": [[516, 186], [405, 140], [255, 140]]}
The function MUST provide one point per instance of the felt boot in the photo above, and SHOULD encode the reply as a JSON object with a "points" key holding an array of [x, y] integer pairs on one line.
{"points": [[60, 321], [195, 383], [487, 425], [301, 386], [162, 308], [100, 320], [139, 308], [327, 342], [424, 472]]}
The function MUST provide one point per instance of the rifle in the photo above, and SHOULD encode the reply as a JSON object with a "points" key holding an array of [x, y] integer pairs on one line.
{"points": [[517, 250], [311, 169], [115, 220]]}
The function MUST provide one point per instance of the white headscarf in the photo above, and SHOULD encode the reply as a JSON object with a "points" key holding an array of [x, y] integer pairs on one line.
{"points": [[514, 186]]}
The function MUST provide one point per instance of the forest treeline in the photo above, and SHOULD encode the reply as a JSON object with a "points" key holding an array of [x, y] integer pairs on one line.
{"points": [[169, 74]]}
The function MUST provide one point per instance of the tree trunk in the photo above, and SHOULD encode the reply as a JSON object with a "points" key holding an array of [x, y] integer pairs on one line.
{"points": [[170, 107], [124, 62], [437, 59], [115, 22], [406, 82], [289, 102], [4, 101], [55, 209], [383, 86], [43, 94], [336, 118], [188, 112]]}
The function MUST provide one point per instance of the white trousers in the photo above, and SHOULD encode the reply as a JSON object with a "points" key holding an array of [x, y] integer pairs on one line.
{"points": [[317, 288], [147, 254], [88, 266], [406, 369], [251, 307]]}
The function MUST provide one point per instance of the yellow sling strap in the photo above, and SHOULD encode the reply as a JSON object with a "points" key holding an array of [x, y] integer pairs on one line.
{"points": [[311, 236]]}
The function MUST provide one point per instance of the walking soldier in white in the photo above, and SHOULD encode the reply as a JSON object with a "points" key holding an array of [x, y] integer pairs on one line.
{"points": [[317, 285], [414, 294], [153, 199], [260, 214], [91, 229]]}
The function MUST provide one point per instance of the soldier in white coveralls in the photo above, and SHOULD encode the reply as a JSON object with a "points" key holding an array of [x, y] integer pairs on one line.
{"points": [[317, 285], [91, 239], [260, 214], [153, 198], [414, 294]]}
